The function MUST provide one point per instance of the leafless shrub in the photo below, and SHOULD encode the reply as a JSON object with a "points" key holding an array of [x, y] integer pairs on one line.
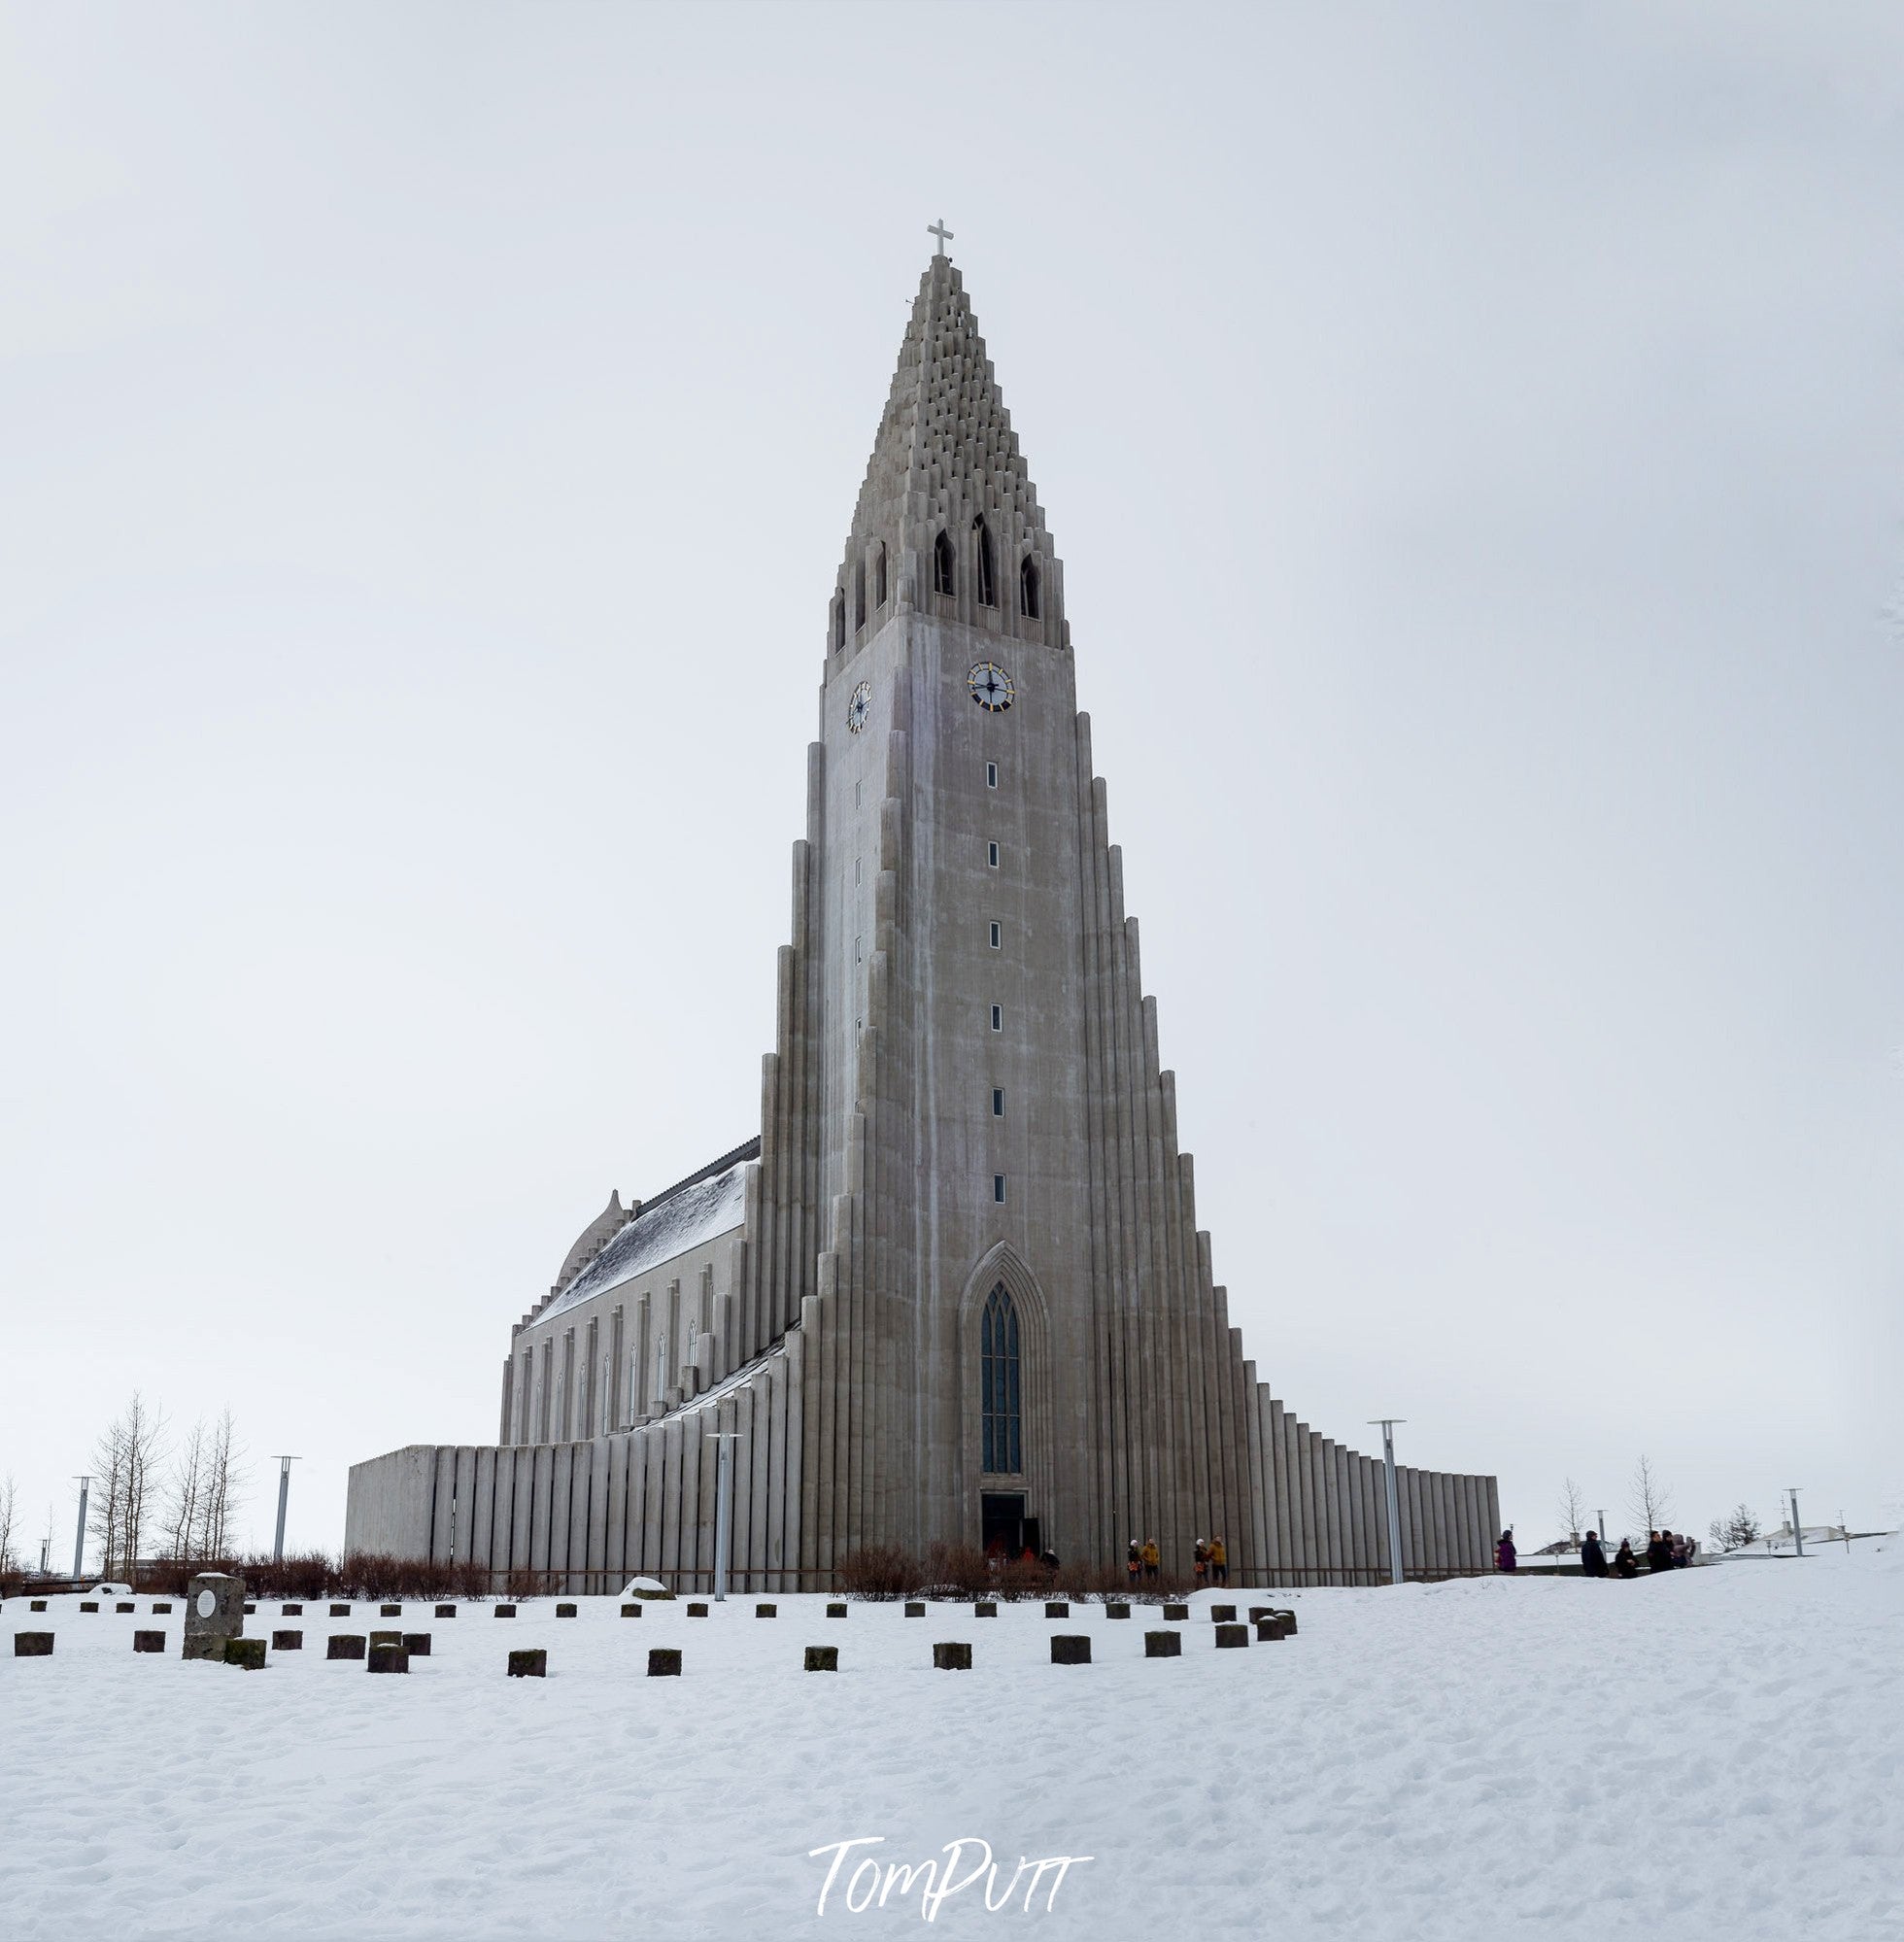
{"points": [[880, 1573]]}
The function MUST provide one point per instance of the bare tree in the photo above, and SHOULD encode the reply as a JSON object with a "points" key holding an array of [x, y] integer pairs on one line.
{"points": [[226, 1476], [1573, 1508], [185, 1503], [9, 1518], [106, 1504], [1648, 1498], [125, 1461]]}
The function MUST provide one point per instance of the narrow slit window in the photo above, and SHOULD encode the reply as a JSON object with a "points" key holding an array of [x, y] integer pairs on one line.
{"points": [[839, 621], [998, 1188], [991, 775], [988, 593], [998, 937], [1028, 589], [880, 576], [944, 579], [992, 855], [998, 1018], [860, 593], [998, 1102], [1001, 1417]]}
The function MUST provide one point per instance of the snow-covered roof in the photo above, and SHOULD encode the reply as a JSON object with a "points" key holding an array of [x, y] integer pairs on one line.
{"points": [[699, 1209]]}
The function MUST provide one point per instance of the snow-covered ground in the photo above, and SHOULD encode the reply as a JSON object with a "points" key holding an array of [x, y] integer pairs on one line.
{"points": [[1716, 1754]]}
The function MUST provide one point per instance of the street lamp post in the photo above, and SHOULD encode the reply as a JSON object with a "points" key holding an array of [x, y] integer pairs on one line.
{"points": [[1797, 1529], [284, 1495], [78, 1536], [1394, 1502]]}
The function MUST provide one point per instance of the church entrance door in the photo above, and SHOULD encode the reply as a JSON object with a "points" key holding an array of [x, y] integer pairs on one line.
{"points": [[1001, 1520]]}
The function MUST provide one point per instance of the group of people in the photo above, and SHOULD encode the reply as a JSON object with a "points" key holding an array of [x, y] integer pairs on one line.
{"points": [[1665, 1551], [1211, 1558]]}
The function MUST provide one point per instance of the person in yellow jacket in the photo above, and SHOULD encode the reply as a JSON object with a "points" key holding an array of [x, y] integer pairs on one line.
{"points": [[1219, 1562], [1152, 1557]]}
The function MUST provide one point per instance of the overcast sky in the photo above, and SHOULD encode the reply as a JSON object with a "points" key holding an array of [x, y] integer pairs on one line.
{"points": [[1471, 433]]}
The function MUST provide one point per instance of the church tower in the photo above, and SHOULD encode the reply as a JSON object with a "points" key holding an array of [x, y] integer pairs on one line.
{"points": [[955, 1292]]}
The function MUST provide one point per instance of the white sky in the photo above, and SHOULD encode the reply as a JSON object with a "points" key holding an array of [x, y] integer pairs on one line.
{"points": [[426, 438]]}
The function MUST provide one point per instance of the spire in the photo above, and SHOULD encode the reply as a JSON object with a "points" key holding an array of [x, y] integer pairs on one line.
{"points": [[944, 459]]}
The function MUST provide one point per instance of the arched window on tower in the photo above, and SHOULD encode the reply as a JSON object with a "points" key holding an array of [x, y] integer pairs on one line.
{"points": [[839, 621], [1001, 1421], [944, 580], [860, 594], [880, 576], [1028, 589], [988, 590]]}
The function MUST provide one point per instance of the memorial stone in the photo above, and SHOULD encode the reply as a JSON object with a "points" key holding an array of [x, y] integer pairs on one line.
{"points": [[446, 1611], [914, 1609], [388, 1658], [505, 1611], [245, 1653], [952, 1658], [125, 1605], [531, 1664], [1117, 1611], [630, 1610], [1163, 1645], [1231, 1635], [215, 1613], [665, 1662], [985, 1608], [162, 1605], [1223, 1615], [1176, 1613], [286, 1642], [283, 1611], [148, 1642], [1070, 1648], [823, 1659], [836, 1611], [564, 1611], [345, 1645], [1056, 1608], [695, 1610], [33, 1645], [416, 1644], [766, 1611]]}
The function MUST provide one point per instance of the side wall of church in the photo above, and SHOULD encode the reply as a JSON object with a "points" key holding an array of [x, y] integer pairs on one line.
{"points": [[586, 1514], [632, 1352]]}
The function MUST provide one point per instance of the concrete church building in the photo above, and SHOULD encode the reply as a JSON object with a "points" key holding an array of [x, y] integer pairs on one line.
{"points": [[955, 1288]]}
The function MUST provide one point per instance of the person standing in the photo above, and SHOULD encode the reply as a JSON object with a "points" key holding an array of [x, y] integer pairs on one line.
{"points": [[1219, 1561], [1659, 1553], [1625, 1564], [1200, 1557], [1505, 1558], [1152, 1557], [1593, 1556], [1132, 1563]]}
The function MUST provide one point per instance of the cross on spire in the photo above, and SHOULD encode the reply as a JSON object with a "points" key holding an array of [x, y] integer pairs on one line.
{"points": [[939, 230]]}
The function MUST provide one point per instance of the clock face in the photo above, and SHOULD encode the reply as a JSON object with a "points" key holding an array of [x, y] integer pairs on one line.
{"points": [[991, 687], [859, 707]]}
